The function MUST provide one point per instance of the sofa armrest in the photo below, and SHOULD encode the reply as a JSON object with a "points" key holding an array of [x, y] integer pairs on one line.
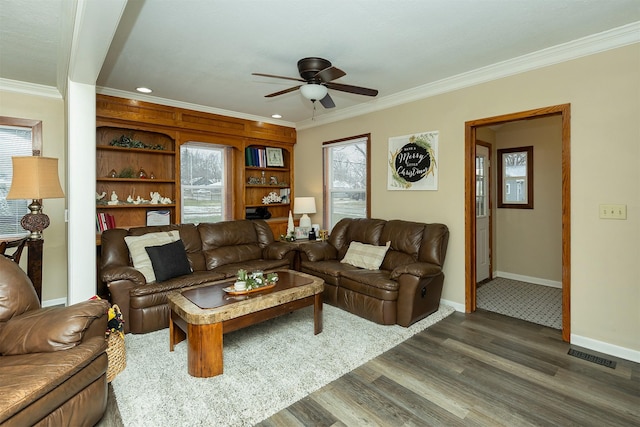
{"points": [[319, 251], [54, 328], [278, 250], [122, 272], [419, 269]]}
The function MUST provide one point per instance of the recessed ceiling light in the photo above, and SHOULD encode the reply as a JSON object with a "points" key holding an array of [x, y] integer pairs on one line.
{"points": [[144, 89], [276, 116]]}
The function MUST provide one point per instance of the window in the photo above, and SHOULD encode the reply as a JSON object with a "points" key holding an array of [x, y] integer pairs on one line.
{"points": [[346, 179], [18, 137], [515, 178], [203, 179]]}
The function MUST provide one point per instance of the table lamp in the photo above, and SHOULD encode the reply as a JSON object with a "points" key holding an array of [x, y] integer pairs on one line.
{"points": [[35, 178], [304, 206]]}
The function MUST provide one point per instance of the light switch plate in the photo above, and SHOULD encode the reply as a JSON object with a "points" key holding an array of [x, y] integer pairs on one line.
{"points": [[613, 211]]}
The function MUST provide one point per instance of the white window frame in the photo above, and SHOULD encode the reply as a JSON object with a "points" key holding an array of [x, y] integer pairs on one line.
{"points": [[186, 190], [327, 147]]}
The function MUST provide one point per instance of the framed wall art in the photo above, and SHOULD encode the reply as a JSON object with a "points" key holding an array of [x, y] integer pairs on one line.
{"points": [[413, 162], [274, 157]]}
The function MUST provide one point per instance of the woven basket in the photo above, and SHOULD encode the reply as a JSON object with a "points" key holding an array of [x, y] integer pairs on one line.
{"points": [[117, 355]]}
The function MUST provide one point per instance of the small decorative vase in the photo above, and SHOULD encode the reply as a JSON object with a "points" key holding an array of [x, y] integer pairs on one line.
{"points": [[240, 286]]}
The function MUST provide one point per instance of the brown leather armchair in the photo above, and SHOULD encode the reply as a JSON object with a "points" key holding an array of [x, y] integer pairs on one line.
{"points": [[53, 361]]}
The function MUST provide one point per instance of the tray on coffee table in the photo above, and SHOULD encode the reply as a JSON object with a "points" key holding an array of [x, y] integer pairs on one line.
{"points": [[232, 291]]}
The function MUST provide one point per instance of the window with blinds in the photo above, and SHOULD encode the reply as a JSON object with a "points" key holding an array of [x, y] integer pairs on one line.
{"points": [[14, 141]]}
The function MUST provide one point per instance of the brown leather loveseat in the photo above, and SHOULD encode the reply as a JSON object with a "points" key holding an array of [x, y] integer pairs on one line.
{"points": [[53, 362], [214, 251], [407, 285]]}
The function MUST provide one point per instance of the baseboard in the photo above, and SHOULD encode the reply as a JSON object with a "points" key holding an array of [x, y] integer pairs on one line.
{"points": [[54, 302], [528, 279], [606, 348], [456, 306]]}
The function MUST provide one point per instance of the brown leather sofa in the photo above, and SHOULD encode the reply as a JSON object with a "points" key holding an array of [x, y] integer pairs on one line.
{"points": [[404, 289], [53, 362], [215, 251]]}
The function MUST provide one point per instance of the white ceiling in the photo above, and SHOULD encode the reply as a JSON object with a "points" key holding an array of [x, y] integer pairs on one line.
{"points": [[202, 52]]}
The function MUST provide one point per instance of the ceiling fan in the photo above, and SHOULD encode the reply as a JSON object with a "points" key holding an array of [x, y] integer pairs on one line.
{"points": [[318, 75]]}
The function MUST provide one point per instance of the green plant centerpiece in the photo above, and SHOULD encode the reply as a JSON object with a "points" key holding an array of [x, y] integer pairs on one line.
{"points": [[256, 279]]}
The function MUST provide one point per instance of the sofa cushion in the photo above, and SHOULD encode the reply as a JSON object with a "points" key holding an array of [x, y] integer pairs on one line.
{"points": [[229, 242], [139, 256], [38, 383], [365, 256], [17, 294], [373, 283], [169, 260], [49, 329], [329, 271]]}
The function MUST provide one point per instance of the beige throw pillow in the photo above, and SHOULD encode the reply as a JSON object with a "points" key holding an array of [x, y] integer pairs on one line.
{"points": [[365, 256], [139, 255]]}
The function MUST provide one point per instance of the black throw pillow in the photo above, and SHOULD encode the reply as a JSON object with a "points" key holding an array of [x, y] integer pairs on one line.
{"points": [[169, 260]]}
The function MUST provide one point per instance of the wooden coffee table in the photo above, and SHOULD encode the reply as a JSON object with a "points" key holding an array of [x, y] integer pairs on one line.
{"points": [[203, 313]]}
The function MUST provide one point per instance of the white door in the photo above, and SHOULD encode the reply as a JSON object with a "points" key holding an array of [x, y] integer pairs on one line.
{"points": [[483, 210]]}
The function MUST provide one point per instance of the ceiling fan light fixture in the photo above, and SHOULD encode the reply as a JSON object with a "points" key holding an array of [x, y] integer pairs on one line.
{"points": [[313, 91]]}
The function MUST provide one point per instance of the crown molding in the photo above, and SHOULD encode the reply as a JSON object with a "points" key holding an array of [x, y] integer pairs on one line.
{"points": [[29, 88], [188, 106], [585, 46]]}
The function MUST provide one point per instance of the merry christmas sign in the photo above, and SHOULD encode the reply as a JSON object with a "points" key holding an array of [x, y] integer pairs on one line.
{"points": [[413, 162]]}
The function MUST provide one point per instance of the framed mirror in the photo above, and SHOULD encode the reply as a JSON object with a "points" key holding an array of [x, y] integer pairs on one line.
{"points": [[515, 178]]}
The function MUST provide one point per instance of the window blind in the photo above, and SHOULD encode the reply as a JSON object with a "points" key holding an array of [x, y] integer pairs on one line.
{"points": [[14, 141]]}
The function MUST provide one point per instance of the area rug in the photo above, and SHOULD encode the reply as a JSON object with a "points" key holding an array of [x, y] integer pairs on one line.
{"points": [[534, 303], [267, 367]]}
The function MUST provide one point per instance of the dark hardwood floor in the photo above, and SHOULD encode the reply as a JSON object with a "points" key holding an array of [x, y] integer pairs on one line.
{"points": [[479, 369]]}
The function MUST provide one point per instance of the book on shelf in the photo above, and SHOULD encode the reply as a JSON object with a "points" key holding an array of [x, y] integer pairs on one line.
{"points": [[255, 156], [104, 221]]}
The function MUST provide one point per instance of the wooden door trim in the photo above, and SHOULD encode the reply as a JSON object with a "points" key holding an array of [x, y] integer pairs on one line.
{"points": [[564, 110]]}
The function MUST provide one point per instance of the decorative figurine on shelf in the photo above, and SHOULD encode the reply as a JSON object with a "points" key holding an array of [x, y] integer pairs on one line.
{"points": [[142, 174], [113, 174], [271, 198], [291, 229], [114, 199], [155, 197], [101, 196], [152, 175], [129, 199], [165, 201]]}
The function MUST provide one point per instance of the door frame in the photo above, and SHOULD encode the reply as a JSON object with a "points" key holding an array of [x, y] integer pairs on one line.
{"points": [[563, 110]]}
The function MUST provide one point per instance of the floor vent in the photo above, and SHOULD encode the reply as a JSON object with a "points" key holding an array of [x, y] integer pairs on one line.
{"points": [[591, 358]]}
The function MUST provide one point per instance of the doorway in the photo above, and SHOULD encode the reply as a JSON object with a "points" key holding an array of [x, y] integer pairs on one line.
{"points": [[471, 264]]}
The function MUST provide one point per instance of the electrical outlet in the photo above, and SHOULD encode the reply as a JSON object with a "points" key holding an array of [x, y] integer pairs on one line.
{"points": [[613, 211]]}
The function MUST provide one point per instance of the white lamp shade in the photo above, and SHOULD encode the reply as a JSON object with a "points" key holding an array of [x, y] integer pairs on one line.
{"points": [[313, 91], [304, 206]]}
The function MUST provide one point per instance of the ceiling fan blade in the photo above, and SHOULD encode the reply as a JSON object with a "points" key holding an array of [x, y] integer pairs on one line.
{"points": [[352, 89], [282, 92], [277, 77], [327, 102], [329, 74]]}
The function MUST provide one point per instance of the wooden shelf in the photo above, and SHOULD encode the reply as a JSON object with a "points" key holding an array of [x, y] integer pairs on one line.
{"points": [[137, 180], [137, 206], [160, 163], [136, 150], [254, 193]]}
